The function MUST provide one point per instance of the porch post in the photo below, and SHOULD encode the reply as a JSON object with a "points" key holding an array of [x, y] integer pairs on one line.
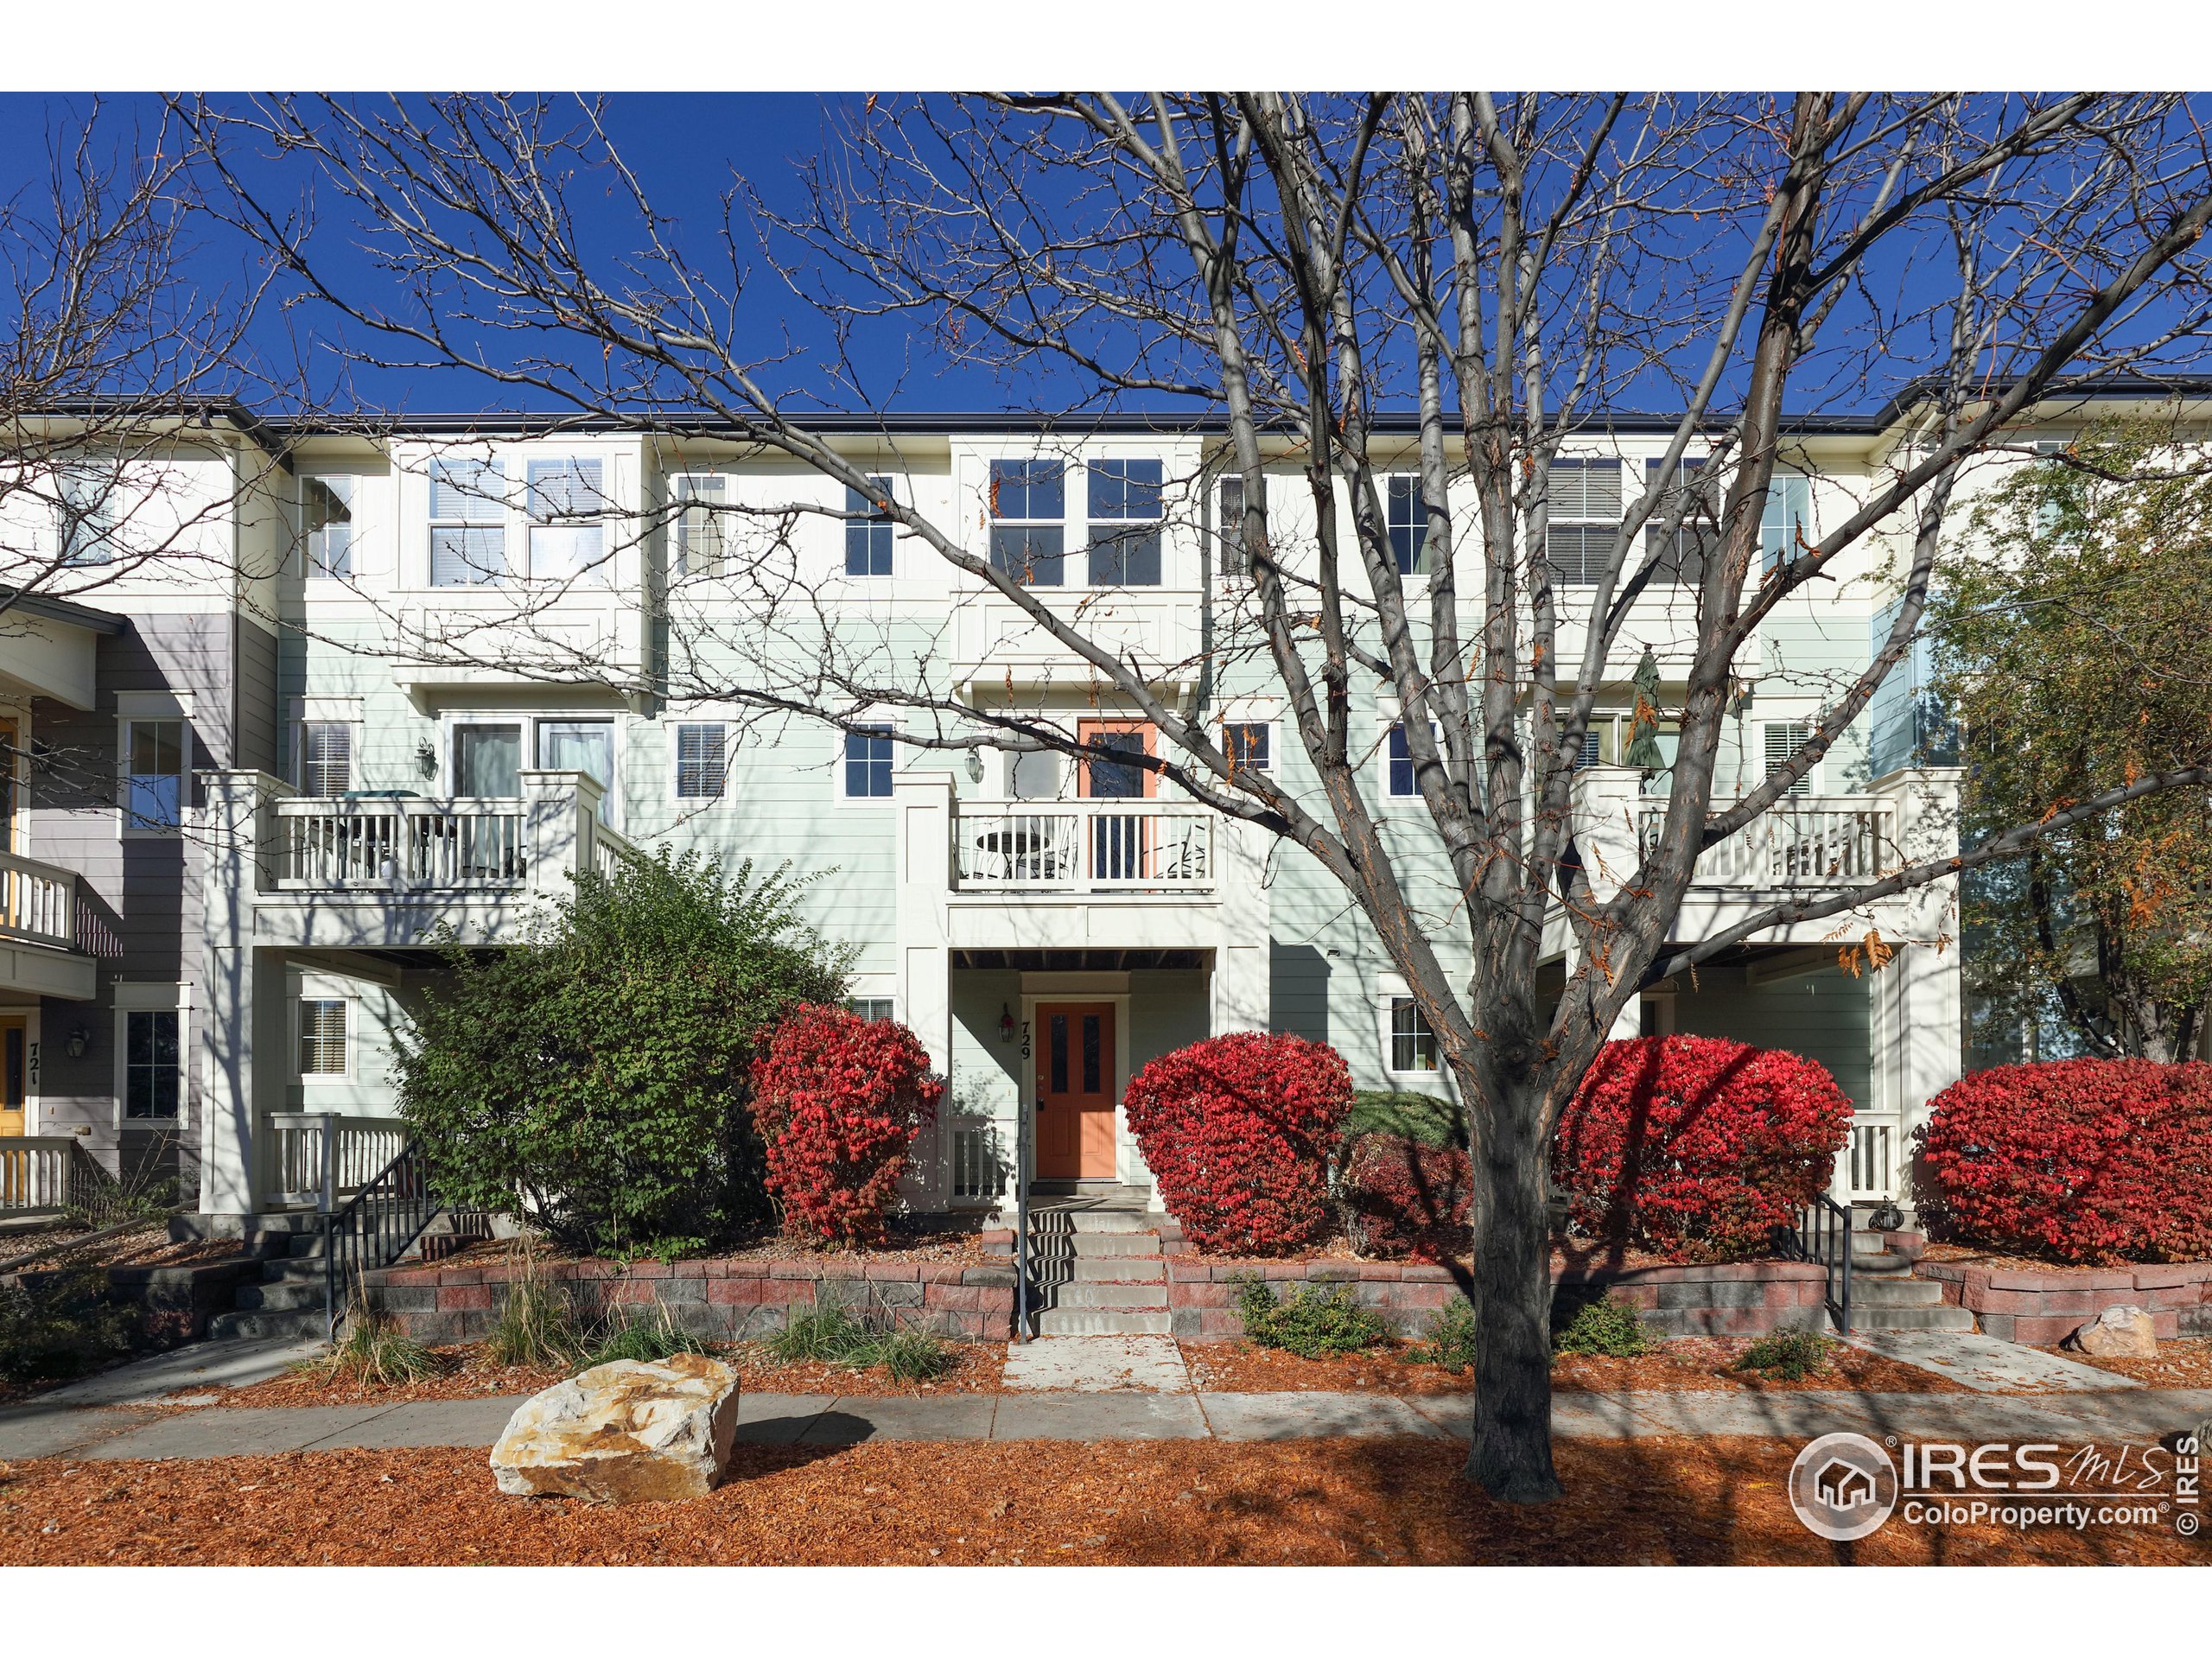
{"points": [[1926, 1006], [1606, 803], [922, 807], [233, 825], [556, 825], [1242, 984]]}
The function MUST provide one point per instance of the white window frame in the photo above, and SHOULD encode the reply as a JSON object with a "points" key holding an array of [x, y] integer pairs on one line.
{"points": [[1419, 529], [863, 802], [351, 1012], [1810, 782], [676, 728], [1391, 722], [594, 570], [95, 519], [351, 727], [1072, 478], [888, 1004], [1777, 544], [701, 488], [497, 465], [1582, 519], [1273, 765], [845, 526], [1092, 526], [153, 711], [141, 996], [347, 487], [1389, 990]]}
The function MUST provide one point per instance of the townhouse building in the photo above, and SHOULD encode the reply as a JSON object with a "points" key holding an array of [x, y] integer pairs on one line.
{"points": [[393, 691]]}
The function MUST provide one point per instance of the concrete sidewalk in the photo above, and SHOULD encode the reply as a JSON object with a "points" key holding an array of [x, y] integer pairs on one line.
{"points": [[120, 1432]]}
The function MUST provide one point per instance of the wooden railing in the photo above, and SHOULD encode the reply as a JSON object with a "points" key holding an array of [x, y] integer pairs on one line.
{"points": [[38, 902], [318, 1158], [1804, 840], [45, 1175], [400, 843], [1084, 846], [608, 849]]}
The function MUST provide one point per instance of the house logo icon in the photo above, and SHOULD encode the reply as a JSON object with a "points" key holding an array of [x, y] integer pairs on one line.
{"points": [[1843, 1486]]}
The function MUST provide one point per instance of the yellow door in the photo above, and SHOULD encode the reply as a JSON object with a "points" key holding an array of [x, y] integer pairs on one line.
{"points": [[14, 1071]]}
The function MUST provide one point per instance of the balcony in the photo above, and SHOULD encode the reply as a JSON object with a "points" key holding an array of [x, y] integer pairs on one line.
{"points": [[995, 642], [1083, 847], [45, 941], [1805, 841]]}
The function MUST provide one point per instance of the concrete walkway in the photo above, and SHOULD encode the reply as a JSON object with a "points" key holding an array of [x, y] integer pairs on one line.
{"points": [[116, 1431]]}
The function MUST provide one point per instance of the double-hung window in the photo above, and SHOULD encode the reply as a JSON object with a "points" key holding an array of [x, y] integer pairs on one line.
{"points": [[153, 776], [1229, 526], [152, 1066], [1029, 522], [568, 507], [1413, 1044], [326, 758], [1680, 557], [868, 530], [326, 527], [872, 1007], [1585, 516], [1248, 745], [1401, 781], [84, 514], [1784, 739], [868, 764], [699, 528], [700, 769], [1125, 511], [468, 523], [1407, 516], [323, 1037], [1789, 516]]}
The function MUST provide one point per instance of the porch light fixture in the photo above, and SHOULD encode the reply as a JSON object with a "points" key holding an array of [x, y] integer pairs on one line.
{"points": [[78, 1043], [1006, 1023], [426, 759], [975, 766]]}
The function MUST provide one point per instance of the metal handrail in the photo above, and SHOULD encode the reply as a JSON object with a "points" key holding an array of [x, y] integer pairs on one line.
{"points": [[1821, 1234], [375, 1228], [1021, 1227]]}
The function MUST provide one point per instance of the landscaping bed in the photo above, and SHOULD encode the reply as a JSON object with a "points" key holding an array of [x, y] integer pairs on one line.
{"points": [[2184, 1362], [149, 1246], [1241, 1368], [1355, 1502]]}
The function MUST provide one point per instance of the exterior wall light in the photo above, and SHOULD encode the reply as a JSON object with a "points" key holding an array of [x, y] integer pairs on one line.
{"points": [[1006, 1023], [426, 759], [78, 1043]]}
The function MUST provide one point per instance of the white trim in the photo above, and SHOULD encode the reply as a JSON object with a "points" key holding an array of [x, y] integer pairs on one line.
{"points": [[863, 802], [124, 827], [1388, 988], [153, 705], [672, 724], [315, 989], [151, 997]]}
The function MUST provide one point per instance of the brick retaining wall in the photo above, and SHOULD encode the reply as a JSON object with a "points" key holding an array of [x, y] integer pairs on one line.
{"points": [[2047, 1304], [718, 1299]]}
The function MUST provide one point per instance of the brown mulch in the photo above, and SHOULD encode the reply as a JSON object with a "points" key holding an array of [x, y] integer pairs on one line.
{"points": [[2183, 1363], [1569, 1254], [1345, 1502], [468, 1374], [144, 1247], [1240, 1368]]}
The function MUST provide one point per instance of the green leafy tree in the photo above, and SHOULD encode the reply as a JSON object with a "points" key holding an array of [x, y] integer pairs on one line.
{"points": [[2076, 650], [596, 1078]]}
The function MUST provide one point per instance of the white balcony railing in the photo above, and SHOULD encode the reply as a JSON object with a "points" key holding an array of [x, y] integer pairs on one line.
{"points": [[1084, 847], [38, 902], [608, 849], [399, 843], [1804, 840], [318, 1157], [45, 1175]]}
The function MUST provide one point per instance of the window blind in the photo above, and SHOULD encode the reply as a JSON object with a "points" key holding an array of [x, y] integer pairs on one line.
{"points": [[322, 1037], [1784, 739], [326, 759]]}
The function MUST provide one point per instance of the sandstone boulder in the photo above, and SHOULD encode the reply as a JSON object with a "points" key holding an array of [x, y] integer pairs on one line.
{"points": [[629, 1433], [2117, 1333]]}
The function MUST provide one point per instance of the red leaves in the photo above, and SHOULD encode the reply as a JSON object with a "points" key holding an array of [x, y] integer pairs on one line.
{"points": [[2080, 1160], [1237, 1130], [839, 1101], [1409, 1199], [1697, 1145]]}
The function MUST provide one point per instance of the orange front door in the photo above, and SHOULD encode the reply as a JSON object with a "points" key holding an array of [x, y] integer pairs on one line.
{"points": [[1107, 777], [1075, 1091]]}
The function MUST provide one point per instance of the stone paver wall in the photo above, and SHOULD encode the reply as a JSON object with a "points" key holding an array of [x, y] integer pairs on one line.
{"points": [[718, 1299], [2047, 1305]]}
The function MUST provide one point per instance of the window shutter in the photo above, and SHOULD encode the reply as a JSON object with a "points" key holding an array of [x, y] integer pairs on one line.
{"points": [[1784, 739]]}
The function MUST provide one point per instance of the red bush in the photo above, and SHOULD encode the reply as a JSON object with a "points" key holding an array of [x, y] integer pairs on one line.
{"points": [[1406, 1198], [1237, 1131], [2082, 1161], [1697, 1145], [839, 1101]]}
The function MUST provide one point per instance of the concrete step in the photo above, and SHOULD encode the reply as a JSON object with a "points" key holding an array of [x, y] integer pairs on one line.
{"points": [[1083, 1244], [279, 1298], [1110, 1322], [1895, 1293], [293, 1269], [1940, 1318], [1120, 1269], [1881, 1264], [1095, 1221], [1090, 1294], [297, 1322]]}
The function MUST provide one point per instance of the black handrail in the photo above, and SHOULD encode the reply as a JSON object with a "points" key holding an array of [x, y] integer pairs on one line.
{"points": [[1021, 1226], [375, 1228], [1823, 1235]]}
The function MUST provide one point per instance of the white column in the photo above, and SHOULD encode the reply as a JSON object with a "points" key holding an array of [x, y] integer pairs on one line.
{"points": [[1925, 1005], [241, 1013], [1606, 802], [922, 807], [1242, 985], [558, 808]]}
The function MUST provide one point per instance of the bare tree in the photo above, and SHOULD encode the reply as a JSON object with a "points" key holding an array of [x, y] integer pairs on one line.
{"points": [[1291, 269]]}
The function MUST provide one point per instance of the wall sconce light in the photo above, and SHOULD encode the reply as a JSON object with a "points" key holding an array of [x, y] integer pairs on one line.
{"points": [[426, 759], [78, 1043], [975, 766], [1006, 1023]]}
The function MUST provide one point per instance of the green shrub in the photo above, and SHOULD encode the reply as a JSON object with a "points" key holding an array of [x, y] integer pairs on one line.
{"points": [[374, 1352], [1604, 1327], [537, 1324], [1449, 1338], [1309, 1322], [597, 1077], [829, 1333], [57, 1325], [1791, 1354], [1429, 1119], [641, 1336]]}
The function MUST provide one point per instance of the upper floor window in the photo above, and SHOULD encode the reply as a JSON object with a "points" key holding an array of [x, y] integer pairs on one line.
{"points": [[1412, 1043], [153, 1066], [1248, 745], [567, 505], [699, 527], [1229, 526], [1784, 739], [1402, 763], [1409, 522], [1789, 516], [868, 764], [1680, 557], [468, 522], [326, 758], [1585, 516], [154, 774], [84, 514], [699, 761], [1125, 509], [872, 1007], [327, 526], [868, 530], [322, 1037], [1029, 521]]}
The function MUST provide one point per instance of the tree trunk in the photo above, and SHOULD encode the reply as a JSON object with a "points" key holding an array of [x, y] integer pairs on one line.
{"points": [[1511, 1454]]}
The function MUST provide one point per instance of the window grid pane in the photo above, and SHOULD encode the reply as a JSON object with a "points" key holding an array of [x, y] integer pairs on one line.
{"points": [[1402, 763], [150, 1072], [869, 542], [1409, 522], [699, 764], [1229, 525], [326, 759], [699, 528], [154, 791], [322, 1037], [468, 536], [1413, 1044], [1246, 745], [867, 764], [326, 515]]}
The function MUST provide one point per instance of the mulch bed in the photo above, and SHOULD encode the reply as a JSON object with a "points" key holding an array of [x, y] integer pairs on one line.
{"points": [[145, 1247], [469, 1374], [2185, 1363], [1240, 1368], [1569, 1255], [1659, 1502]]}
